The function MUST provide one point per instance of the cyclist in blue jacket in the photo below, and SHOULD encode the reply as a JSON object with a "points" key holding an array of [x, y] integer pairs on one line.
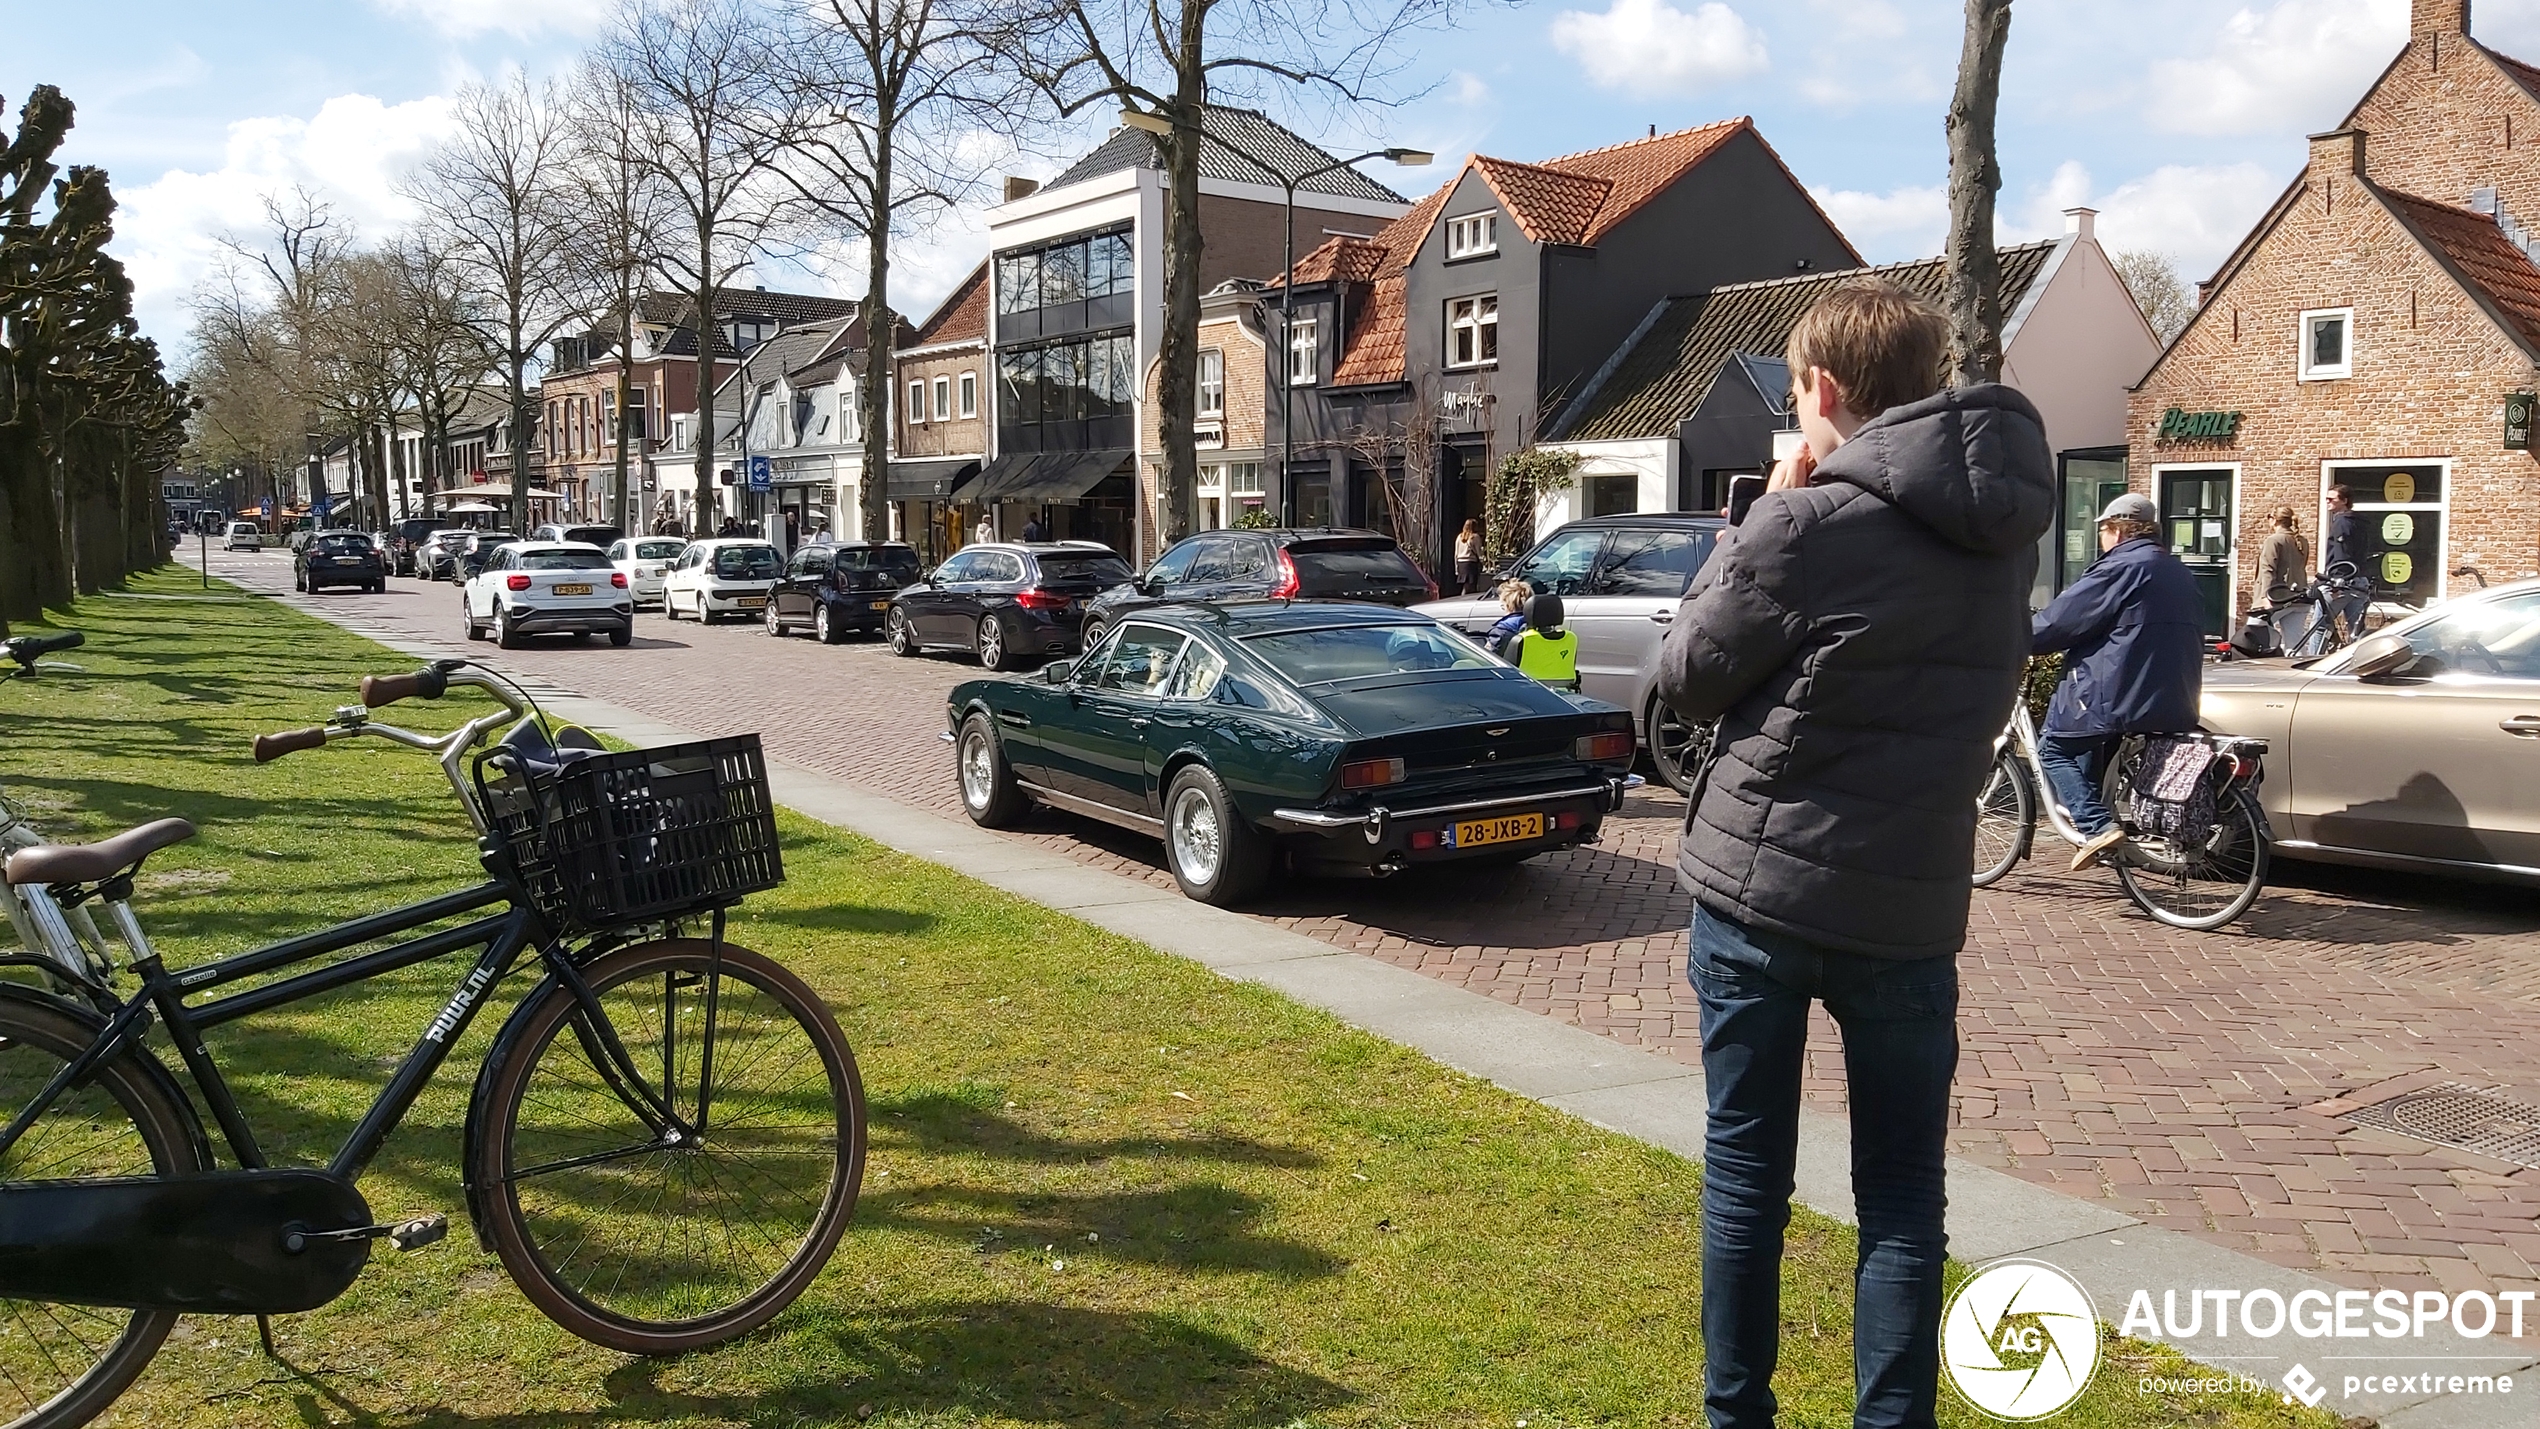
{"points": [[2133, 631]]}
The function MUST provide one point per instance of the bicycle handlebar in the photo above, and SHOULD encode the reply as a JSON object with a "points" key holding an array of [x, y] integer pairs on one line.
{"points": [[270, 747], [380, 691], [26, 649]]}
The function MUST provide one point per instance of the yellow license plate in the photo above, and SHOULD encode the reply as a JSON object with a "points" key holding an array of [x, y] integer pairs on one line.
{"points": [[573, 590], [753, 601], [881, 605], [1511, 828]]}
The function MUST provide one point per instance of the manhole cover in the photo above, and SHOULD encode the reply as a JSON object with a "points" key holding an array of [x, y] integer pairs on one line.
{"points": [[2463, 1117]]}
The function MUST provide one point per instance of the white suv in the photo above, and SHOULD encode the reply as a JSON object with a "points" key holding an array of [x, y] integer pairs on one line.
{"points": [[548, 588]]}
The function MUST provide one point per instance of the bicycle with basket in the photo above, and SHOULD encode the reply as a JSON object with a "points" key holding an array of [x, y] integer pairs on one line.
{"points": [[664, 1142]]}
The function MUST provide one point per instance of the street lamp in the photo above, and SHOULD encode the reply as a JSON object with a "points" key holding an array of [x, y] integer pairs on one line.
{"points": [[1408, 158]]}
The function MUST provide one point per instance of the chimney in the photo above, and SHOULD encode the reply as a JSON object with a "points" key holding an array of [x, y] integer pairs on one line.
{"points": [[2437, 17], [2082, 223], [2340, 151], [1017, 186]]}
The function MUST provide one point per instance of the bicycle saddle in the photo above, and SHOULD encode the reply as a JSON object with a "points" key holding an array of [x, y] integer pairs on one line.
{"points": [[94, 863]]}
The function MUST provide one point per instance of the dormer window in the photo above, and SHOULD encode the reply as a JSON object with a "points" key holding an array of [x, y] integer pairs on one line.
{"points": [[743, 334], [1472, 235], [2328, 344]]}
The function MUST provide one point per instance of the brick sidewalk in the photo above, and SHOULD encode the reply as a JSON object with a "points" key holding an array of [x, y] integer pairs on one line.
{"points": [[2171, 1075]]}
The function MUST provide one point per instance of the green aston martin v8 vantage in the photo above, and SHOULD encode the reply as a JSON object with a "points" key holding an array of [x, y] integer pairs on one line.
{"points": [[1331, 738]]}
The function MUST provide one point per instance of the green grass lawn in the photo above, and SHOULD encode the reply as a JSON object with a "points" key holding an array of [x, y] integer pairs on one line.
{"points": [[1105, 1187]]}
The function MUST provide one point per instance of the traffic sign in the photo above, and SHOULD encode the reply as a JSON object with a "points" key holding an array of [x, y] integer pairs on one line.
{"points": [[762, 474]]}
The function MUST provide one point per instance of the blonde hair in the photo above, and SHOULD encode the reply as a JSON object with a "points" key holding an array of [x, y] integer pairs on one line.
{"points": [[1513, 595], [1882, 345], [2285, 518]]}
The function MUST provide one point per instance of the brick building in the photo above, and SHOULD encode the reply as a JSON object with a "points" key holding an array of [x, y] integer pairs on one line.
{"points": [[1232, 421], [940, 429], [2368, 333]]}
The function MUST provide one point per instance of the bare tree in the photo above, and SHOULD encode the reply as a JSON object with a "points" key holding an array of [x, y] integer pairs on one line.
{"points": [[1082, 53], [438, 341], [496, 195], [2154, 281], [626, 213], [701, 78], [1975, 176], [896, 96]]}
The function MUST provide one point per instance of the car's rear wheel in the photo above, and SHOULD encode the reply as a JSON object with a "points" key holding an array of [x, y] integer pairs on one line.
{"points": [[1215, 855], [1676, 748], [895, 629], [467, 619], [506, 633], [992, 652], [823, 628], [623, 636], [989, 793]]}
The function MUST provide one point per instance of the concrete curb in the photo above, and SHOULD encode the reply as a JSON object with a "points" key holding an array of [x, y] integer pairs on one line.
{"points": [[1639, 1094]]}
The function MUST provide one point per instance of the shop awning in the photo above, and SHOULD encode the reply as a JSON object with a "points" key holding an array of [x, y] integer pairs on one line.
{"points": [[928, 480], [1046, 476]]}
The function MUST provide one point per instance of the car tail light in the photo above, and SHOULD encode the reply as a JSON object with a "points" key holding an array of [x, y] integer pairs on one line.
{"points": [[1612, 744], [1040, 600], [618, 579], [1286, 587], [1369, 773], [517, 582], [1570, 820]]}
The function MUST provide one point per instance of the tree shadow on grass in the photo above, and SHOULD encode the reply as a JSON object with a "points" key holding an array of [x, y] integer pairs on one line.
{"points": [[848, 918], [950, 1121], [1013, 1360], [1195, 1225]]}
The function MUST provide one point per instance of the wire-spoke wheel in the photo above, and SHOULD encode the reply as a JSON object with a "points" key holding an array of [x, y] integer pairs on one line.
{"points": [[61, 1365], [2209, 884], [2006, 819], [692, 1207], [1216, 856]]}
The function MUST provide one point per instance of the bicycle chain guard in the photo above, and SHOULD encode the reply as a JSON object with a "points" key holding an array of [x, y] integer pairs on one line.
{"points": [[209, 1244]]}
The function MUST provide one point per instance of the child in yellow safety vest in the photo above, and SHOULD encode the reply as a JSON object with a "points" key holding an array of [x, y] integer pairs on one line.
{"points": [[1544, 650]]}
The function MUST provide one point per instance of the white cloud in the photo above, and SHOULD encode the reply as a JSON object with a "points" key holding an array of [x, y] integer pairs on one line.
{"points": [[1468, 89], [1865, 52], [2196, 213], [520, 19], [1890, 227], [1651, 47], [2297, 62], [350, 154]]}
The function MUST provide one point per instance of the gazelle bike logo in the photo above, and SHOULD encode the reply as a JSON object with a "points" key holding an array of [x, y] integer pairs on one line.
{"points": [[2020, 1340]]}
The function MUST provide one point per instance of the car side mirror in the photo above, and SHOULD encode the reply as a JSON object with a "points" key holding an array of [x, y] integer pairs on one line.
{"points": [[2379, 655], [1057, 672]]}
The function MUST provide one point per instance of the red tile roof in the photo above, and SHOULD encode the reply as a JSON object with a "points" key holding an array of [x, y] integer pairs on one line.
{"points": [[961, 317], [1550, 205], [1375, 350], [1642, 169], [1341, 259], [2475, 248]]}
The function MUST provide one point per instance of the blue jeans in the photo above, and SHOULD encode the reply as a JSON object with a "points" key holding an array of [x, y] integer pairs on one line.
{"points": [[2349, 610], [1900, 1048], [2075, 764]]}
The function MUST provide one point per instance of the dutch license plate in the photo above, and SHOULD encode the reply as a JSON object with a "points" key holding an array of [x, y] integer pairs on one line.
{"points": [[881, 605], [1474, 833], [573, 590], [753, 602]]}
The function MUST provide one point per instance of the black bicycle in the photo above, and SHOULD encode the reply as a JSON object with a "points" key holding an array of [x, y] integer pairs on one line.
{"points": [[665, 1139]]}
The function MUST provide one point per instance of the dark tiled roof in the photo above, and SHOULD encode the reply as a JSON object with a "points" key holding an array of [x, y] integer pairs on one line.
{"points": [[2515, 70], [1665, 376], [961, 317], [791, 309], [2488, 263], [1244, 131]]}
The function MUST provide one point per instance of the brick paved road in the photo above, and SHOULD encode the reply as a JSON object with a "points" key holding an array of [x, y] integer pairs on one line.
{"points": [[2188, 1079]]}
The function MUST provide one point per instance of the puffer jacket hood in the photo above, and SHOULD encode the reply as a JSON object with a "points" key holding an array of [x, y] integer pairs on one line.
{"points": [[1965, 462]]}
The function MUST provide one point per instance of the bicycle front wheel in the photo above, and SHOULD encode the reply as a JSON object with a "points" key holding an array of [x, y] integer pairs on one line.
{"points": [[62, 1365], [2006, 819], [2205, 886], [623, 1227]]}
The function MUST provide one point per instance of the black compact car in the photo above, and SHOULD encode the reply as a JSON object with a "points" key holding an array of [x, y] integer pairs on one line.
{"points": [[339, 558], [1306, 563], [840, 589], [473, 555], [406, 536], [1004, 601]]}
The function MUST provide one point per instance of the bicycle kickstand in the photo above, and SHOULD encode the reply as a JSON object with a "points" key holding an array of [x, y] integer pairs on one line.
{"points": [[264, 1336]]}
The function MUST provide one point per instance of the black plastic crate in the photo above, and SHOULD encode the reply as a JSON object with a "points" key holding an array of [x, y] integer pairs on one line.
{"points": [[610, 839]]}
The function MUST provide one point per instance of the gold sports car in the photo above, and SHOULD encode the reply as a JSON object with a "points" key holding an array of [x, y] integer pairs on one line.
{"points": [[2417, 746]]}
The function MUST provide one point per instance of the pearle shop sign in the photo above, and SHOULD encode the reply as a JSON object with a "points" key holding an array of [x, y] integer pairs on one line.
{"points": [[2180, 425]]}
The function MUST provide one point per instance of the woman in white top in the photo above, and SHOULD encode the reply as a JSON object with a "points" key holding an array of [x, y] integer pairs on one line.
{"points": [[1468, 558]]}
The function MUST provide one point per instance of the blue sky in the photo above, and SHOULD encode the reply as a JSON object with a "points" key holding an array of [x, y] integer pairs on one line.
{"points": [[2179, 119]]}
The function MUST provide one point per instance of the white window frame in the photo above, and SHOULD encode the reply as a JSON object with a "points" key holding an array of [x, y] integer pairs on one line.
{"points": [[2329, 471], [1212, 393], [970, 394], [917, 403], [1457, 326], [1472, 235], [943, 399], [2328, 372], [1304, 342]]}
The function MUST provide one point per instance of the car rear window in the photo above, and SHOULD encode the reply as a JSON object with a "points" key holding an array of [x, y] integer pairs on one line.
{"points": [[1315, 657], [1363, 563], [658, 550], [869, 559], [343, 545], [746, 563], [1099, 567], [564, 561], [591, 535]]}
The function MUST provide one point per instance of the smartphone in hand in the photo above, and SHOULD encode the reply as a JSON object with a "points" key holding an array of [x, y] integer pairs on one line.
{"points": [[1742, 493]]}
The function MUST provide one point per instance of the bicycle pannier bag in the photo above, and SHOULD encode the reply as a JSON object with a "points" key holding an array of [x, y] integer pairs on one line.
{"points": [[2173, 798]]}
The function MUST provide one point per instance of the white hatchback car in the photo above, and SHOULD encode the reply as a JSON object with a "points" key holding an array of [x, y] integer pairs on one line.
{"points": [[644, 560], [715, 578], [547, 588], [243, 536]]}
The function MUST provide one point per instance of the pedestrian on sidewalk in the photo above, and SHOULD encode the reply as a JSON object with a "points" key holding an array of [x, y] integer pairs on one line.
{"points": [[2134, 632], [1468, 558], [2284, 577], [1034, 531], [2338, 547], [1860, 637]]}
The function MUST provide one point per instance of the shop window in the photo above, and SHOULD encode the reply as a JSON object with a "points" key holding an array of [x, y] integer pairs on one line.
{"points": [[2328, 344], [1472, 235], [1302, 361], [1472, 331], [2399, 526], [2091, 478], [1212, 382], [970, 394]]}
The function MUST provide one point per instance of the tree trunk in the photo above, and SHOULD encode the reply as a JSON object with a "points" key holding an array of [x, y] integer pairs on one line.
{"points": [[1975, 176], [702, 467], [881, 367], [623, 498], [515, 376], [1177, 355]]}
